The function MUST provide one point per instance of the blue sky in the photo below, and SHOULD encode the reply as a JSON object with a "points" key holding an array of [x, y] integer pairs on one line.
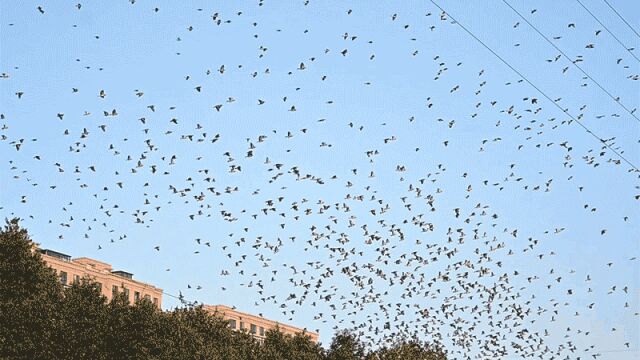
{"points": [[125, 48]]}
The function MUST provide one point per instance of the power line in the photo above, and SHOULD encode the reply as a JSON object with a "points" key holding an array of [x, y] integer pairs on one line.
{"points": [[615, 98], [621, 18], [609, 31], [538, 89], [181, 298]]}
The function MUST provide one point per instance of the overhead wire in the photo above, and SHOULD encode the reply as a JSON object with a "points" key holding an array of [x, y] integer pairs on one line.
{"points": [[614, 98], [609, 31], [589, 131], [621, 18]]}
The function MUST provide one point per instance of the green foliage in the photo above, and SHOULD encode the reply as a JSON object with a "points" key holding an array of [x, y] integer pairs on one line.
{"points": [[39, 319], [133, 329], [304, 349], [195, 334], [408, 350], [346, 346], [29, 297], [84, 322]]}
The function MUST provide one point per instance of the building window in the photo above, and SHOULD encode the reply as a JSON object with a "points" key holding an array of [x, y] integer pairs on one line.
{"points": [[261, 331], [254, 329], [232, 324], [99, 286], [136, 296], [63, 277], [241, 325], [155, 301], [76, 279], [147, 297], [126, 293], [114, 290]]}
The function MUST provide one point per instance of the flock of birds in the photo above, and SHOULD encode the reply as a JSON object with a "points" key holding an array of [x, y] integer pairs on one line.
{"points": [[363, 224]]}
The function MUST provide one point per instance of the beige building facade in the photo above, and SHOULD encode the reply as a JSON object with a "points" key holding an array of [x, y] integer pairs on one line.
{"points": [[255, 325], [111, 282]]}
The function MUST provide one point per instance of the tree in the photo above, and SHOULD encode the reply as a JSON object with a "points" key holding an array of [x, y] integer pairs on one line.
{"points": [[346, 346], [279, 346], [194, 333], [408, 350], [41, 320], [180, 329], [134, 332], [119, 330], [84, 322], [304, 349], [144, 322], [29, 297], [244, 347], [276, 346]]}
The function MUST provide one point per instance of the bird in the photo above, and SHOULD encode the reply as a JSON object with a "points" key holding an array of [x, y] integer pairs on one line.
{"points": [[420, 191]]}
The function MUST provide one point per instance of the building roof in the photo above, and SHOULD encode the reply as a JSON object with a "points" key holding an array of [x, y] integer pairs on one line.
{"points": [[98, 265], [123, 274], [226, 309], [55, 254], [94, 265]]}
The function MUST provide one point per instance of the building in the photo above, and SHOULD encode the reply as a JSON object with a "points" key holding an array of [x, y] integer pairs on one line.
{"points": [[255, 325], [111, 282]]}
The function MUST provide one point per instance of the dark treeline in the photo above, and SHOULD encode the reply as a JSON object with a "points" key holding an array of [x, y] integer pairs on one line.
{"points": [[41, 319]]}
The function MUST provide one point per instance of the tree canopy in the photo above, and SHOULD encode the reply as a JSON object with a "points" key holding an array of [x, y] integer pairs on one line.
{"points": [[41, 319]]}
